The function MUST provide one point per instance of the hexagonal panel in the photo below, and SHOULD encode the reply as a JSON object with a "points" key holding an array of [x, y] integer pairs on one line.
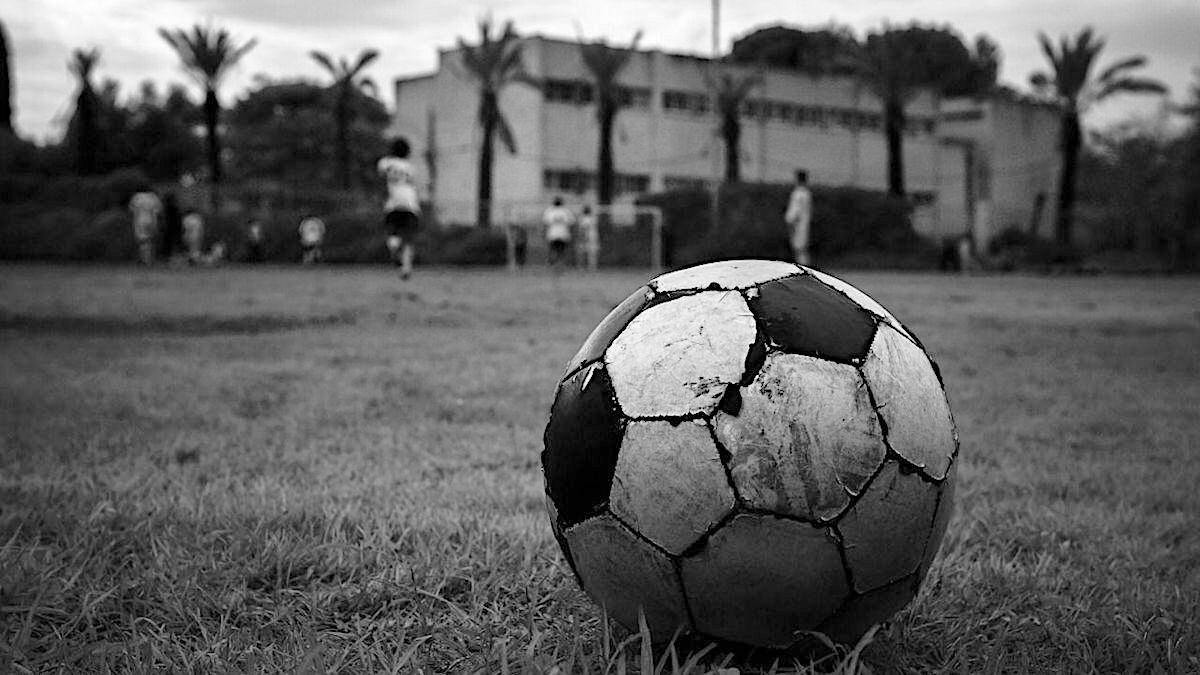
{"points": [[884, 533], [854, 618], [582, 440], [677, 358], [806, 437], [608, 328], [726, 275], [865, 301], [760, 579], [624, 574], [941, 518], [911, 401], [669, 484], [804, 316]]}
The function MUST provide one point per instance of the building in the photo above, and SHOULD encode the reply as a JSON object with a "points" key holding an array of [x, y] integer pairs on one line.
{"points": [[665, 137]]}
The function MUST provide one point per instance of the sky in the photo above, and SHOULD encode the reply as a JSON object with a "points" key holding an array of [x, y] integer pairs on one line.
{"points": [[42, 34]]}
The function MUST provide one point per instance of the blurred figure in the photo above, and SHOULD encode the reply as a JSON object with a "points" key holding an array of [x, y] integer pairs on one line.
{"points": [[215, 255], [255, 242], [146, 209], [193, 237], [558, 220], [172, 232], [518, 238], [312, 236], [588, 251], [403, 206], [799, 217]]}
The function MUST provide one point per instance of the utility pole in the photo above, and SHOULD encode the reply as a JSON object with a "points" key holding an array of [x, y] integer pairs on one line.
{"points": [[712, 109]]}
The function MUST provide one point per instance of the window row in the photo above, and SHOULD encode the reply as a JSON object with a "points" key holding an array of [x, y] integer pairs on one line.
{"points": [[578, 181], [801, 115], [579, 92]]}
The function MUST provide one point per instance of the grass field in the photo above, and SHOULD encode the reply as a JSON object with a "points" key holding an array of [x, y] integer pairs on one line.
{"points": [[327, 470]]}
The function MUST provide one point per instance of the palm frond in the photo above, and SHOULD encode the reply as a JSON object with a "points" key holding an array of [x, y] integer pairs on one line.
{"points": [[323, 59], [504, 132], [366, 57], [1124, 64], [1130, 85]]}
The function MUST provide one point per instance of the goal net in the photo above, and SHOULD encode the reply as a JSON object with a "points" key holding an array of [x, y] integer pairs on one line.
{"points": [[624, 235]]}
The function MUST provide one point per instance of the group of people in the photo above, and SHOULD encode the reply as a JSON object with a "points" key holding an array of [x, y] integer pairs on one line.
{"points": [[564, 231], [162, 230]]}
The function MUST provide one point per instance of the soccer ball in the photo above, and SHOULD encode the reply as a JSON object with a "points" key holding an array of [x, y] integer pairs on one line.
{"points": [[747, 451]]}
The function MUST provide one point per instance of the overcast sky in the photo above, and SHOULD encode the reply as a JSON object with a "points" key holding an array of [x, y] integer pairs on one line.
{"points": [[42, 34]]}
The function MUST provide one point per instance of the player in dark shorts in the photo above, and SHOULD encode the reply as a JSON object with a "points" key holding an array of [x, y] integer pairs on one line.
{"points": [[403, 206]]}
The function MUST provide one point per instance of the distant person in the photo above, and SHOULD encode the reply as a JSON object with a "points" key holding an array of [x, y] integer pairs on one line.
{"points": [[172, 233], [589, 236], [799, 217], [402, 216], [558, 220], [312, 237], [146, 209], [215, 255], [193, 237], [520, 244], [255, 242]]}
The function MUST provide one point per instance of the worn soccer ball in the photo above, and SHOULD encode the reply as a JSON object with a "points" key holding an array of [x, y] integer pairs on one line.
{"points": [[749, 451]]}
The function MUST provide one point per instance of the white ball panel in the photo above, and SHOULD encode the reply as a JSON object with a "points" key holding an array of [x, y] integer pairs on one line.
{"points": [[669, 483], [677, 358], [911, 401], [805, 439], [728, 275], [861, 299]]}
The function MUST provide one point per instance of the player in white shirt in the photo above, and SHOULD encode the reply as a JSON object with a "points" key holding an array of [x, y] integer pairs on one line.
{"points": [[146, 209], [312, 235], [403, 206], [799, 217], [558, 221]]}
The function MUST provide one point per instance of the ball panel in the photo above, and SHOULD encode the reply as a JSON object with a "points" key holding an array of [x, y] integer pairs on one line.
{"points": [[885, 532], [625, 574], [945, 508], [854, 618], [670, 484], [678, 357], [911, 401], [608, 328], [742, 590], [804, 316], [862, 299], [582, 441], [727, 275], [806, 437]]}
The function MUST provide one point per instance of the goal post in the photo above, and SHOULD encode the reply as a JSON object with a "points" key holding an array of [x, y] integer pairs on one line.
{"points": [[523, 232]]}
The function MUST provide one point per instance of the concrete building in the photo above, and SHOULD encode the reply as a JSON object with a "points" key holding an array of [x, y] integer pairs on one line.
{"points": [[666, 136]]}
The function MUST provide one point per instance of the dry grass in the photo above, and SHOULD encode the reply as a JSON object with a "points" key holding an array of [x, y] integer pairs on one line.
{"points": [[328, 470]]}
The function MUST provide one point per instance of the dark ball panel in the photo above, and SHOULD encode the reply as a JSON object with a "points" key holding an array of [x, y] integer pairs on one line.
{"points": [[582, 441], [609, 328], [804, 316]]}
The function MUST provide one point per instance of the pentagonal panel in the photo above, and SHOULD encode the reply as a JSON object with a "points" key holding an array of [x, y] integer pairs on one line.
{"points": [[804, 316], [625, 574], [760, 579], [582, 440], [669, 484], [727, 275], [884, 533], [865, 301], [854, 618], [911, 401], [608, 328], [806, 437], [941, 518], [677, 358]]}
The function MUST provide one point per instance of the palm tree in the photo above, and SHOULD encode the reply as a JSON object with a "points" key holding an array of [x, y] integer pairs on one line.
{"points": [[494, 63], [605, 63], [892, 71], [208, 54], [346, 83], [732, 91], [1074, 93], [86, 131]]}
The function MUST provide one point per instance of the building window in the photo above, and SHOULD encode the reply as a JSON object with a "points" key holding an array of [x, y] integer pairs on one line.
{"points": [[684, 183], [686, 101], [635, 97], [575, 92], [921, 198], [970, 115], [578, 181]]}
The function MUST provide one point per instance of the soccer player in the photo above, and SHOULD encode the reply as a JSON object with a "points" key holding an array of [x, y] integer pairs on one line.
{"points": [[558, 220], [799, 217], [146, 209], [403, 206], [589, 233], [312, 235]]}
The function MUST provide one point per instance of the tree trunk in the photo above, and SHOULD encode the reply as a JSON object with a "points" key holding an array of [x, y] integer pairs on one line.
{"points": [[87, 138], [5, 84], [483, 214], [604, 163], [893, 123], [342, 115], [212, 114], [1070, 142], [731, 130]]}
